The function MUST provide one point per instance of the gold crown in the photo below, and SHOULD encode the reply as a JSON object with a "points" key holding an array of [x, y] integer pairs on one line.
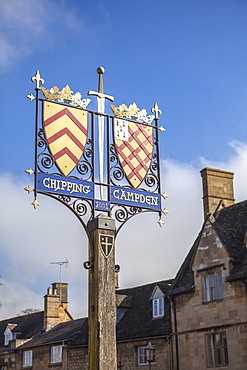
{"points": [[132, 112], [65, 96]]}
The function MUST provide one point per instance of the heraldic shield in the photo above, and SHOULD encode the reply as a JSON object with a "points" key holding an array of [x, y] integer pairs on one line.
{"points": [[66, 130], [135, 150]]}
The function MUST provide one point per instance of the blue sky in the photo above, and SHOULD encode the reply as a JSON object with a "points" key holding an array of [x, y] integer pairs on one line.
{"points": [[189, 56]]}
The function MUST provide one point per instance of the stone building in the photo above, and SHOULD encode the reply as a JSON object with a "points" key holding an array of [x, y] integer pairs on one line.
{"points": [[208, 294], [196, 320]]}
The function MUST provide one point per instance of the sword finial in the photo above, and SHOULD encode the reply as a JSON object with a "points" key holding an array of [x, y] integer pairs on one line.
{"points": [[100, 72]]}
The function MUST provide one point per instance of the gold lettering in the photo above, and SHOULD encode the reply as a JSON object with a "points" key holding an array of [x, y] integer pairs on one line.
{"points": [[148, 200], [122, 195], [114, 194], [73, 188], [86, 189], [155, 201], [69, 186], [142, 198], [46, 185], [53, 183], [80, 188], [57, 188], [64, 183], [137, 197], [130, 196]]}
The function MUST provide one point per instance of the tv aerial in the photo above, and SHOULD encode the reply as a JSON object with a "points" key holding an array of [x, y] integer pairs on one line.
{"points": [[60, 264]]}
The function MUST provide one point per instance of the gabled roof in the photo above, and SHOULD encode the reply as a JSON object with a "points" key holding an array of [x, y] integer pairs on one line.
{"points": [[68, 331], [27, 325], [184, 280], [138, 322], [231, 226]]}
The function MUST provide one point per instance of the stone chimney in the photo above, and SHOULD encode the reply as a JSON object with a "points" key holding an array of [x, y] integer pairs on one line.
{"points": [[62, 291], [217, 186], [56, 304]]}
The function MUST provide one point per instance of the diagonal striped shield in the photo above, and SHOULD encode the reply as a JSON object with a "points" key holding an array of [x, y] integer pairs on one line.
{"points": [[66, 130], [134, 143]]}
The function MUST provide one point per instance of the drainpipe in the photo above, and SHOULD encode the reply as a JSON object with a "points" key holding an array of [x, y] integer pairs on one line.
{"points": [[245, 282], [65, 356], [173, 304], [171, 352]]}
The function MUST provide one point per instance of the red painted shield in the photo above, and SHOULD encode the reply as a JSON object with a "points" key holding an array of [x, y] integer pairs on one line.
{"points": [[66, 130]]}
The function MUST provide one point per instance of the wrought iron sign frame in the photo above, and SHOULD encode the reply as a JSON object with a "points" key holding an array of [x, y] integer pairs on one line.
{"points": [[82, 189]]}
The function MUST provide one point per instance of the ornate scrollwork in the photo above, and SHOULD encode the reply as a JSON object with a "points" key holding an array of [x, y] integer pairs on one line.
{"points": [[41, 139], [46, 160], [123, 213], [116, 171], [80, 208], [151, 181], [89, 152], [113, 154], [85, 166]]}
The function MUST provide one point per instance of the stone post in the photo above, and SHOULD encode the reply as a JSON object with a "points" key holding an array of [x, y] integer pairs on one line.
{"points": [[102, 300]]}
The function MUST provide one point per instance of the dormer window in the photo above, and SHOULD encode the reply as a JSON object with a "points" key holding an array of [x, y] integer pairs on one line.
{"points": [[158, 307], [10, 333], [158, 302], [8, 336]]}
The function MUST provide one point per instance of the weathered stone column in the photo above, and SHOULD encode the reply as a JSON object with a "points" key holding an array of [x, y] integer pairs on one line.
{"points": [[102, 300]]}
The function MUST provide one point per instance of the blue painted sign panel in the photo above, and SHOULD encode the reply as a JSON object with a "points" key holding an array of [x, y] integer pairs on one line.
{"points": [[135, 198], [103, 205], [65, 186]]}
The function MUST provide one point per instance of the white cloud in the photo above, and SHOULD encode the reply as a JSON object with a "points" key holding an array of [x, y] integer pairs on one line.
{"points": [[31, 239], [24, 25], [237, 163], [16, 297]]}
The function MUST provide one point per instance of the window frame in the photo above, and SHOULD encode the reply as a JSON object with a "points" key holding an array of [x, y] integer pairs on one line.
{"points": [[141, 357], [216, 350], [8, 336], [56, 357], [27, 358], [213, 286], [158, 307]]}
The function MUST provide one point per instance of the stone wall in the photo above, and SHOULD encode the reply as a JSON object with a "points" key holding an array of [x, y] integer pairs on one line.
{"points": [[197, 318], [127, 353]]}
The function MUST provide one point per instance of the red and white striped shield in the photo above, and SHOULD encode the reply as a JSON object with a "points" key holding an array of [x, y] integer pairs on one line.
{"points": [[66, 130], [135, 149]]}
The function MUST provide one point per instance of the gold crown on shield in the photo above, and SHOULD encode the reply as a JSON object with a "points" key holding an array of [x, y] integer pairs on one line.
{"points": [[65, 96], [132, 112]]}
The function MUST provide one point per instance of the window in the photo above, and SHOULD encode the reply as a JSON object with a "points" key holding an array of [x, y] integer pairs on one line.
{"points": [[56, 354], [27, 358], [158, 307], [213, 287], [8, 336], [216, 345], [142, 356]]}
